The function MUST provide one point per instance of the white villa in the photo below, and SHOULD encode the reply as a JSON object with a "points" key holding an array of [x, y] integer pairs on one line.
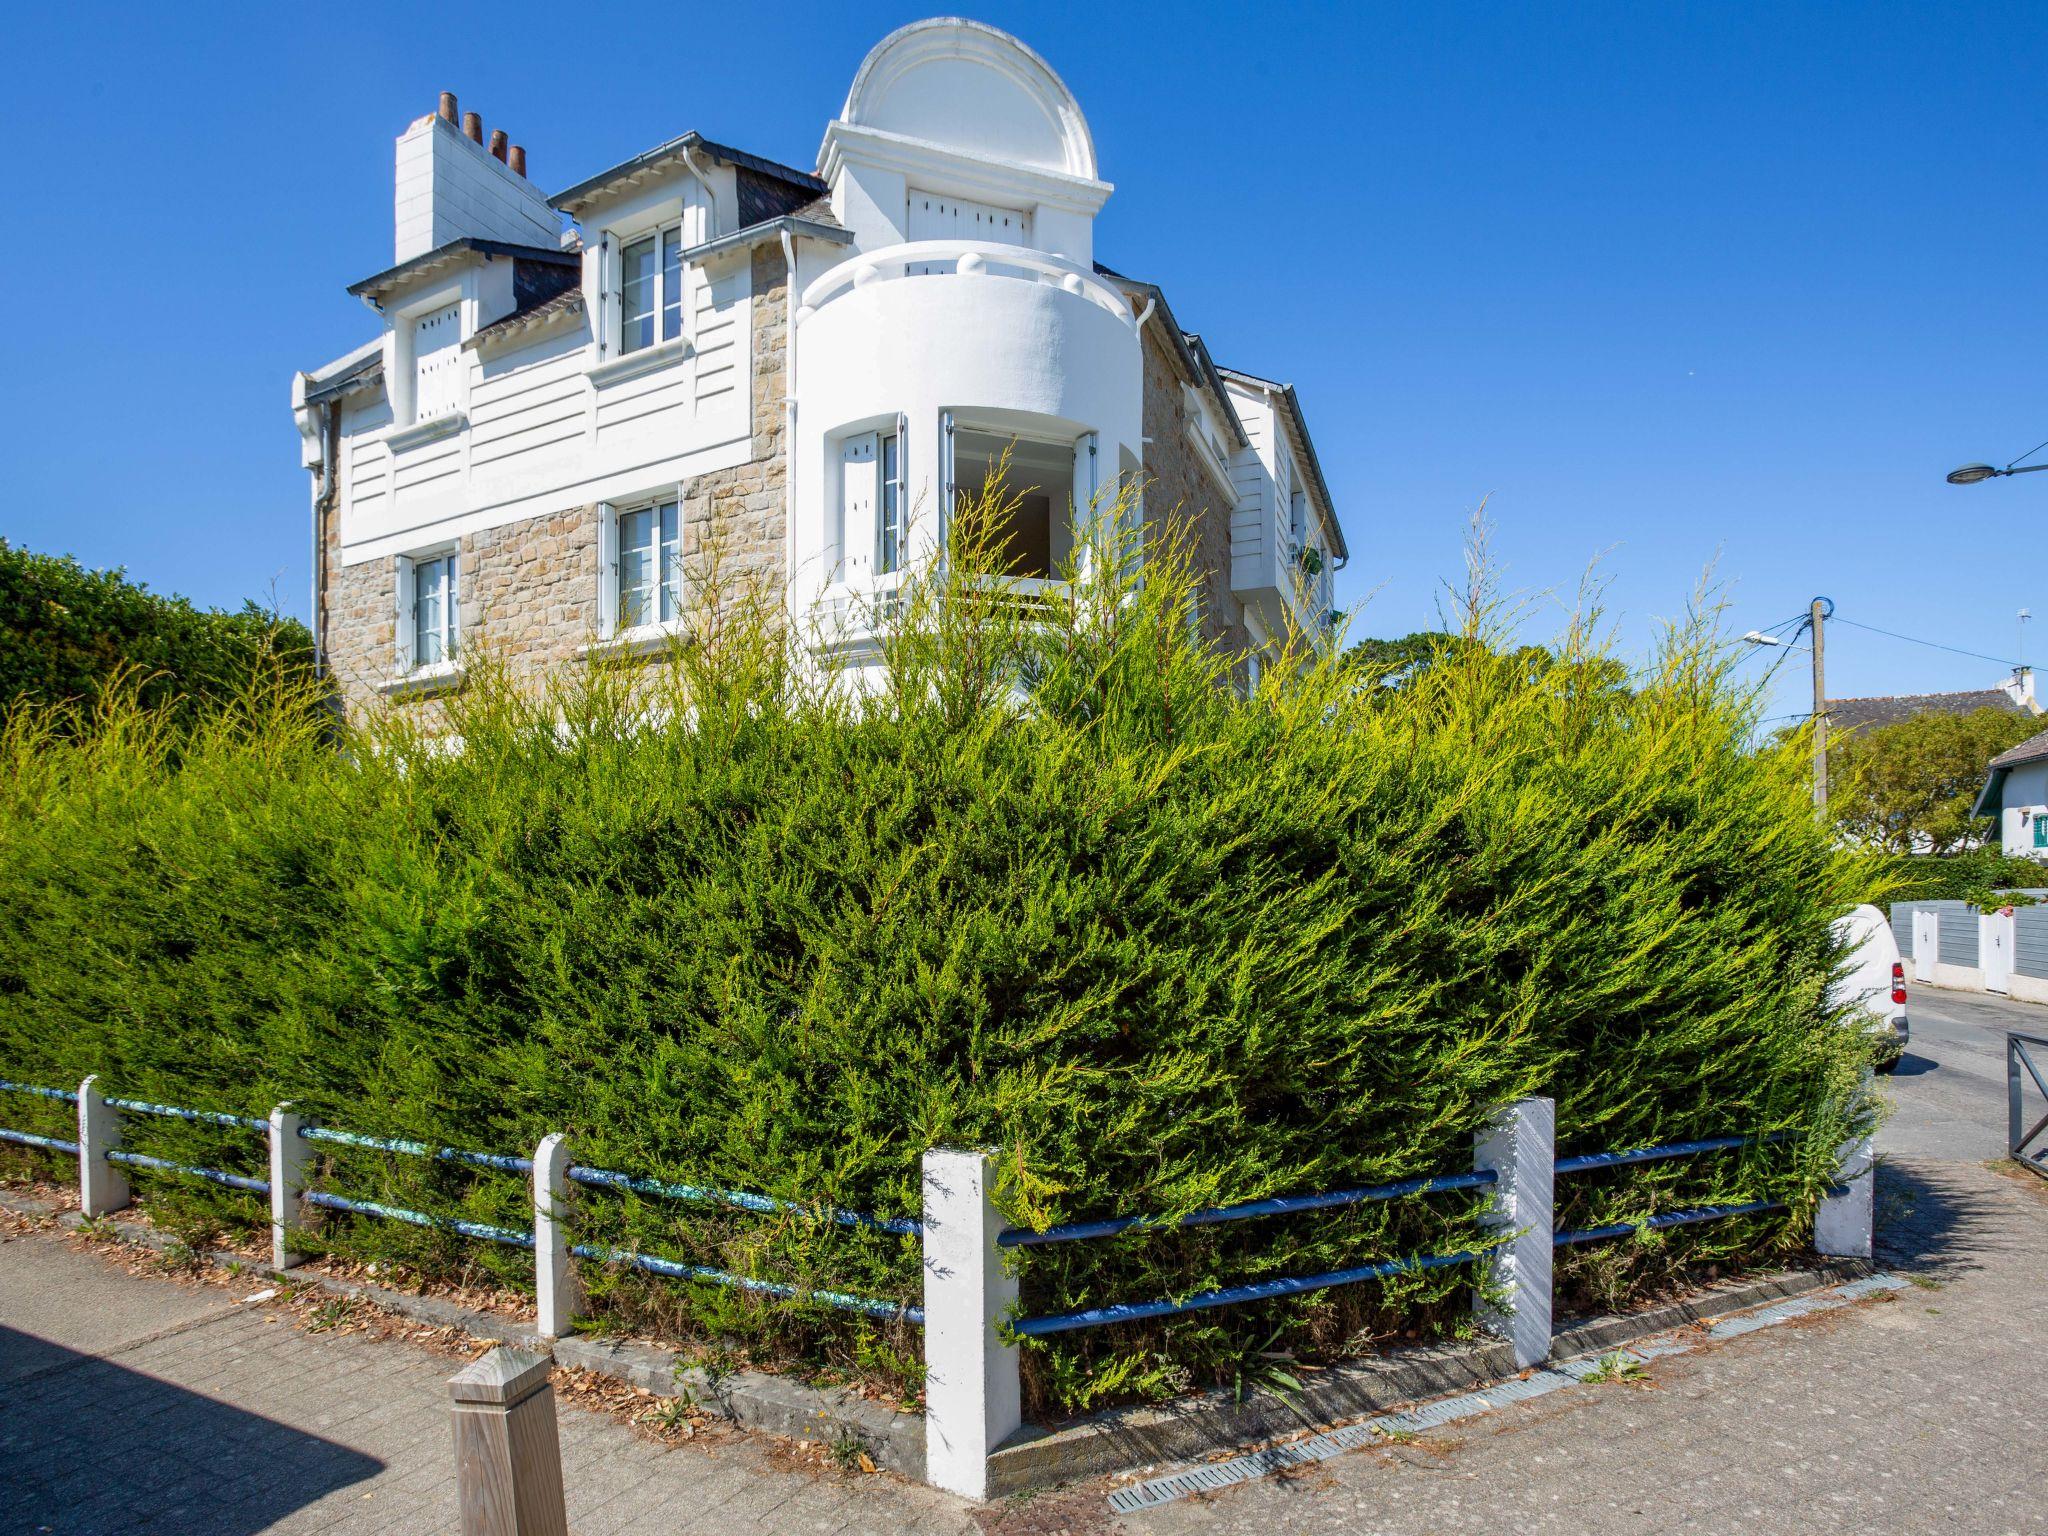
{"points": [[568, 399]]}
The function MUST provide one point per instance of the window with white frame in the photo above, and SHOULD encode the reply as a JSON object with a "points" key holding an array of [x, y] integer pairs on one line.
{"points": [[873, 506], [430, 610], [651, 289], [1027, 488], [644, 585]]}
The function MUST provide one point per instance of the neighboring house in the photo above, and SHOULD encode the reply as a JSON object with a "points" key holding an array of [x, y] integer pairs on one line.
{"points": [[556, 427], [2015, 696], [2016, 792]]}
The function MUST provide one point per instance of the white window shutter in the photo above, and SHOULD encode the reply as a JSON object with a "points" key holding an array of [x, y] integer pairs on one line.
{"points": [[607, 571], [451, 612], [408, 601], [945, 483], [859, 504]]}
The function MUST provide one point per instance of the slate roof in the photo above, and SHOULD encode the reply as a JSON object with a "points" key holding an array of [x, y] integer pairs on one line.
{"points": [[2032, 750], [568, 302], [1854, 714]]}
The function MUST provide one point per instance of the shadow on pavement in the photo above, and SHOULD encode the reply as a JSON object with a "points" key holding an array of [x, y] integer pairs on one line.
{"points": [[1915, 1066], [88, 1446], [1935, 1216]]}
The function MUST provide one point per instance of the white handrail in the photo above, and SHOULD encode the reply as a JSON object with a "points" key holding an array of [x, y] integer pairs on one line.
{"points": [[968, 258]]}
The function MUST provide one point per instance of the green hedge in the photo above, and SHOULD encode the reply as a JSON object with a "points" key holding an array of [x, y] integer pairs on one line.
{"points": [[1160, 946], [65, 631]]}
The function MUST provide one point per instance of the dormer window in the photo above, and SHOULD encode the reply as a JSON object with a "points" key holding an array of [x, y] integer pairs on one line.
{"points": [[651, 289]]}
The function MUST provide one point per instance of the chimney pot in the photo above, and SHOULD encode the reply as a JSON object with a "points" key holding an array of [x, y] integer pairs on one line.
{"points": [[498, 142], [448, 106], [518, 160], [473, 126]]}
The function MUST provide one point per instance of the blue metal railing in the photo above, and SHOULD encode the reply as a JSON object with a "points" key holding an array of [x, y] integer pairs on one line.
{"points": [[1668, 1219], [49, 1142], [1269, 1290], [1263, 1290], [495, 1160], [679, 1271], [483, 1231], [1285, 1205], [505, 1235], [197, 1116], [211, 1175], [67, 1095], [905, 1226]]}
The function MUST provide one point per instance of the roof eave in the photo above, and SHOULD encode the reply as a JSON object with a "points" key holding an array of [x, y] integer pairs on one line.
{"points": [[768, 229], [1305, 441], [587, 191], [377, 286]]}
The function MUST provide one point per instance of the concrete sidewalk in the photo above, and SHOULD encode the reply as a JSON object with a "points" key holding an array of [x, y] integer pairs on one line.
{"points": [[133, 1403], [146, 1404]]}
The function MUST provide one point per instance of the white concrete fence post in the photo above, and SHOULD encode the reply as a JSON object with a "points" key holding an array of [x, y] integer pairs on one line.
{"points": [[1520, 1146], [557, 1296], [508, 1451], [102, 1184], [972, 1398], [287, 1183], [1842, 1227]]}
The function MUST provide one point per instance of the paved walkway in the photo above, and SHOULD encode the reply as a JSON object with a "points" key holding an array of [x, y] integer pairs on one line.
{"points": [[147, 1404]]}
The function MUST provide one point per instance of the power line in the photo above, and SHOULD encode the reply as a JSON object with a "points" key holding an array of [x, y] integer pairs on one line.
{"points": [[1930, 644]]}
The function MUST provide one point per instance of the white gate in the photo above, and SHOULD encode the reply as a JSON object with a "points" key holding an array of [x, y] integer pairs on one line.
{"points": [[1994, 949], [1926, 943]]}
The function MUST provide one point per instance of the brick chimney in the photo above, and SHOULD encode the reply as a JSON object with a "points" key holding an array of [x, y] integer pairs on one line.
{"points": [[448, 186]]}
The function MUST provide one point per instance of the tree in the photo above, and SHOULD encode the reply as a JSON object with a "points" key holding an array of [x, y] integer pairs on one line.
{"points": [[1398, 663], [1909, 787], [65, 630]]}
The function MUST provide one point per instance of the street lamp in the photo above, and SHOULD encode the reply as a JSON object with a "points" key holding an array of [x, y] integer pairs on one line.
{"points": [[1971, 474]]}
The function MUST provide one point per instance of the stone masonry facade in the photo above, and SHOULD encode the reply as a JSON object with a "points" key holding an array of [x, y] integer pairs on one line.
{"points": [[529, 590], [1182, 493]]}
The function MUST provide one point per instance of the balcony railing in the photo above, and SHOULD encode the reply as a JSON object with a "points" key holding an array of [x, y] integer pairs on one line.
{"points": [[966, 258]]}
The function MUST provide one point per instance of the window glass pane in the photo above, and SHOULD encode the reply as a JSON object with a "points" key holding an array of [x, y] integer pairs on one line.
{"points": [[671, 560], [889, 532], [1030, 503], [636, 567], [672, 284], [428, 577], [636, 295]]}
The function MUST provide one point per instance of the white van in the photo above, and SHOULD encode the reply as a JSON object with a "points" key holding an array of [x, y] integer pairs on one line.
{"points": [[1873, 979]]}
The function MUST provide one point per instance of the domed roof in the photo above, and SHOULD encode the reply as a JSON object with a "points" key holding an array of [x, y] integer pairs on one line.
{"points": [[973, 89]]}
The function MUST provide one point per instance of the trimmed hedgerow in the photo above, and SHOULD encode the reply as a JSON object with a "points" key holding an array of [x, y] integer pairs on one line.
{"points": [[1057, 888]]}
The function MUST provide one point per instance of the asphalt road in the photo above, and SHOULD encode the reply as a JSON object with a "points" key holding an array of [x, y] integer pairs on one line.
{"points": [[1949, 1090]]}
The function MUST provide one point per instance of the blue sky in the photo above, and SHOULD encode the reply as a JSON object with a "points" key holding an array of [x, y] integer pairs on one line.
{"points": [[1670, 286]]}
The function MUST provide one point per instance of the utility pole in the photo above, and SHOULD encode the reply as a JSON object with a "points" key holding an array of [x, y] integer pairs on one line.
{"points": [[1820, 705]]}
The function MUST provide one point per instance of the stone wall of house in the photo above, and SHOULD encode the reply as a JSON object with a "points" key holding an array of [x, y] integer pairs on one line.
{"points": [[1181, 493], [529, 590]]}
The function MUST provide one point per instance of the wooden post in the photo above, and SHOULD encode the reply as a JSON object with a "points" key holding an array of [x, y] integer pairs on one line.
{"points": [[1816, 615], [508, 1455]]}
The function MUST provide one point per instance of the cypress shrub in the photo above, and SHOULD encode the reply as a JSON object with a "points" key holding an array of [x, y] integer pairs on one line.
{"points": [[1056, 888]]}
